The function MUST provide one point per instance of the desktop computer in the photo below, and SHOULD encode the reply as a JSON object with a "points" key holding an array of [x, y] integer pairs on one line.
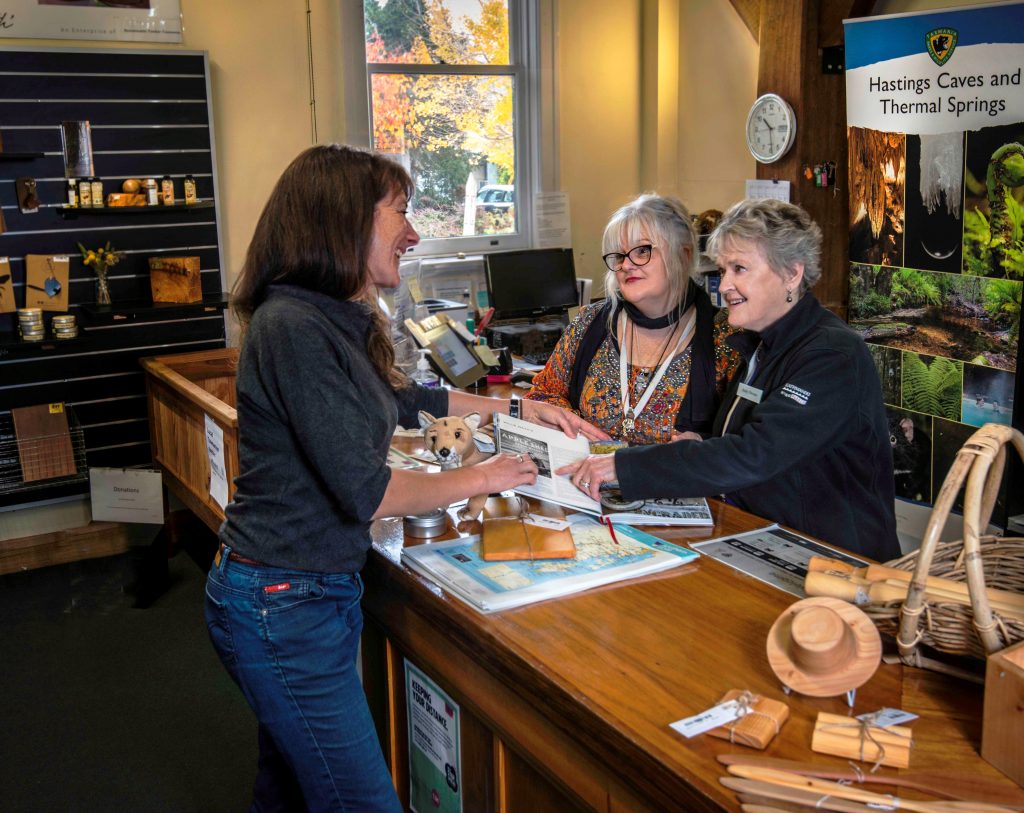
{"points": [[531, 293]]}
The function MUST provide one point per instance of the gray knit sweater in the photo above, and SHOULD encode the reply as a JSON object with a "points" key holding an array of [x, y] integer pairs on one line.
{"points": [[315, 421]]}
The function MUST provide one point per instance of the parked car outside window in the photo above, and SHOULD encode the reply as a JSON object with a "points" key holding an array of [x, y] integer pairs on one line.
{"points": [[496, 197]]}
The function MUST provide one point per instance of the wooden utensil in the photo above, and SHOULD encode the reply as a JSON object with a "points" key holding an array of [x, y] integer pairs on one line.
{"points": [[1011, 602], [797, 807], [950, 786], [813, 800], [861, 594], [850, 793]]}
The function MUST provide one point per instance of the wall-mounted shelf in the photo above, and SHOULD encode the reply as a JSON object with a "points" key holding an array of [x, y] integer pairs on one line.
{"points": [[20, 156], [72, 212], [141, 310]]}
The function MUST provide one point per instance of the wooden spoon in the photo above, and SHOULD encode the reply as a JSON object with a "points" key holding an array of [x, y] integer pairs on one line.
{"points": [[950, 786], [854, 794]]}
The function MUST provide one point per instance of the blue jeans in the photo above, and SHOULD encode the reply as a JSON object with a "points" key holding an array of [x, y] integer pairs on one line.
{"points": [[289, 639]]}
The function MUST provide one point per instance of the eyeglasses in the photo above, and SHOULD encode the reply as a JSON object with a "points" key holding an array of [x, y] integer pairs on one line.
{"points": [[639, 255]]}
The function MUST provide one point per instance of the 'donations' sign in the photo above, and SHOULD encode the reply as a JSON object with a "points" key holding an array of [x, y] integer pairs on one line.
{"points": [[935, 121]]}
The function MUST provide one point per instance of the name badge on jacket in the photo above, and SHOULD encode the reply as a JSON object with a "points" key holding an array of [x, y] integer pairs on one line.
{"points": [[750, 393]]}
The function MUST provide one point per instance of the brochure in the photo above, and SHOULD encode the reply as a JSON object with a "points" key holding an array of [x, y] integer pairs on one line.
{"points": [[603, 556], [551, 449], [773, 555]]}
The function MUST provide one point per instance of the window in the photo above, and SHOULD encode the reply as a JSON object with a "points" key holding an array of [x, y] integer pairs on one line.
{"points": [[448, 88]]}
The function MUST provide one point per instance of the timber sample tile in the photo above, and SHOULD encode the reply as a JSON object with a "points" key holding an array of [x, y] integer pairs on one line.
{"points": [[175, 279], [44, 442]]}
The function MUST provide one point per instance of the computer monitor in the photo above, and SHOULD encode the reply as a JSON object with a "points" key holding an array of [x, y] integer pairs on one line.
{"points": [[530, 284]]}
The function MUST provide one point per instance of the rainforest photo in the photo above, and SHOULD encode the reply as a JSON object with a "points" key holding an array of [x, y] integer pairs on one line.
{"points": [[889, 364], [994, 205], [967, 318]]}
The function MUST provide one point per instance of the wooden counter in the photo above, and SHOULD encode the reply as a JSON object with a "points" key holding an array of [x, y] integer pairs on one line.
{"points": [[566, 704]]}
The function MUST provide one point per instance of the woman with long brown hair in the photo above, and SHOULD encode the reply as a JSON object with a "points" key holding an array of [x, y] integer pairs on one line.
{"points": [[318, 401]]}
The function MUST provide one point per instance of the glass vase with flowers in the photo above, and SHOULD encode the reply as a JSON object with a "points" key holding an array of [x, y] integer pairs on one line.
{"points": [[101, 259]]}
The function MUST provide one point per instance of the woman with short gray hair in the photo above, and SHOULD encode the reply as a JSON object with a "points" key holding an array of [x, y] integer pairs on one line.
{"points": [[802, 436]]}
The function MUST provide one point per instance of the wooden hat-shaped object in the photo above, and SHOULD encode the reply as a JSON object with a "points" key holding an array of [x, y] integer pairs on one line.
{"points": [[824, 647]]}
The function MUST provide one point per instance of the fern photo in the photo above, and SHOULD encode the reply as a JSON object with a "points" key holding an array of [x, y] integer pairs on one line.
{"points": [[994, 203], [933, 385]]}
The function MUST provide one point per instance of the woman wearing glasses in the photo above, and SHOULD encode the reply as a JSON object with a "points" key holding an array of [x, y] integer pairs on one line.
{"points": [[649, 365], [801, 437]]}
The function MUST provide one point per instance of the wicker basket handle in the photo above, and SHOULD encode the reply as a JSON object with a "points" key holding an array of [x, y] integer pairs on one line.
{"points": [[981, 461]]}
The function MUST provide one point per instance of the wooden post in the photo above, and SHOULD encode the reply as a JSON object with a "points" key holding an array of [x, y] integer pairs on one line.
{"points": [[791, 33]]}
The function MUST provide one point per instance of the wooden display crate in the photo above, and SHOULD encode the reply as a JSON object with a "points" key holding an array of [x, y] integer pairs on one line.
{"points": [[182, 389]]}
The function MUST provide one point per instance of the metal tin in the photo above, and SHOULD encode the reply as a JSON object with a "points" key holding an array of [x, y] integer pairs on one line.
{"points": [[426, 526], [68, 320]]}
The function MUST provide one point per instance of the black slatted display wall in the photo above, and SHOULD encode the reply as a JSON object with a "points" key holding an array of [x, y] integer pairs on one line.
{"points": [[150, 116]]}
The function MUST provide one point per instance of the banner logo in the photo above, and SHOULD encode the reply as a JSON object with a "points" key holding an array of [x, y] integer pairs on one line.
{"points": [[941, 44]]}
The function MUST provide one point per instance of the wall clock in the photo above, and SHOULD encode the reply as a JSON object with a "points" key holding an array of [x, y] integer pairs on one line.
{"points": [[771, 128]]}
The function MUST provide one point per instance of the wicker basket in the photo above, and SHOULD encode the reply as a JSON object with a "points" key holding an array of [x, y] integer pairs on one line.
{"points": [[981, 562]]}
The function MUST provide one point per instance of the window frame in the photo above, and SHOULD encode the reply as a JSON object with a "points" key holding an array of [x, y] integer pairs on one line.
{"points": [[524, 69]]}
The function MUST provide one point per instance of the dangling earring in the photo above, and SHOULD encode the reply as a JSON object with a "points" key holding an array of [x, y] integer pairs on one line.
{"points": [[789, 295]]}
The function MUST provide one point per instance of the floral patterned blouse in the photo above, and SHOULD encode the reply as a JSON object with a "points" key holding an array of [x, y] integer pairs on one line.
{"points": [[600, 400]]}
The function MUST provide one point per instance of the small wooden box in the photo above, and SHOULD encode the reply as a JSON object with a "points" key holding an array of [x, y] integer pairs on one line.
{"points": [[1002, 736], [754, 730], [175, 279]]}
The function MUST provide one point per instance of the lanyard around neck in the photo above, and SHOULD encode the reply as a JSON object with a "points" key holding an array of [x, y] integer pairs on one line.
{"points": [[630, 413]]}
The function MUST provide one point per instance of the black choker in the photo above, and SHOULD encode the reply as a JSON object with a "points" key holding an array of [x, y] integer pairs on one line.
{"points": [[652, 322]]}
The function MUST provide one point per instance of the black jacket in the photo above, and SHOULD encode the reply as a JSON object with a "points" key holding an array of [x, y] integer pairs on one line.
{"points": [[813, 454]]}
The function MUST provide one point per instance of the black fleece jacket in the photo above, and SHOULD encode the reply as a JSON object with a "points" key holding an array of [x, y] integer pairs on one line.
{"points": [[808, 447]]}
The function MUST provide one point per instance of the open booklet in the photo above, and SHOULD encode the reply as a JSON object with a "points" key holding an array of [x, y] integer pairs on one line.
{"points": [[551, 449]]}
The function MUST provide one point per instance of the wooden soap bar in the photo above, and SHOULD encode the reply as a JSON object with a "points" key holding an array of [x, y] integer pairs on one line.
{"points": [[175, 279], [848, 737], [758, 727], [115, 199]]}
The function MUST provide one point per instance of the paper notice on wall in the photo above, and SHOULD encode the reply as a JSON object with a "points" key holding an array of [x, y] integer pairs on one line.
{"points": [[551, 220], [126, 495], [218, 471], [776, 190]]}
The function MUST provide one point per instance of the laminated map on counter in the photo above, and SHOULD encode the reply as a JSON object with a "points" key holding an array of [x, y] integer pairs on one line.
{"points": [[601, 558]]}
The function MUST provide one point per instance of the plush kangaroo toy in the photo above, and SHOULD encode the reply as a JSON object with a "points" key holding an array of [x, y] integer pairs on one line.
{"points": [[450, 440]]}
